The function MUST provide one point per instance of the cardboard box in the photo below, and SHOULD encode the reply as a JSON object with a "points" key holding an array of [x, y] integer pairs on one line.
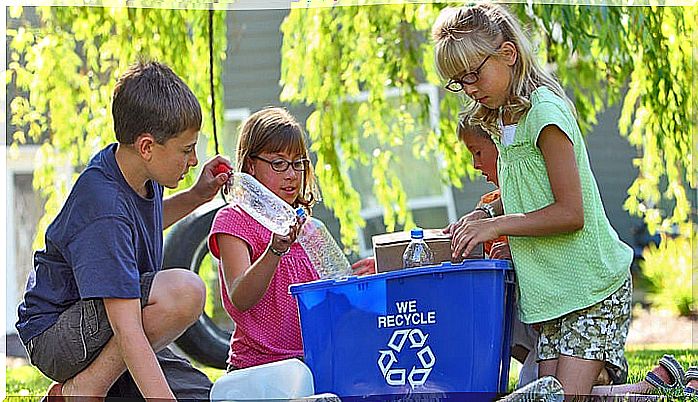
{"points": [[389, 247]]}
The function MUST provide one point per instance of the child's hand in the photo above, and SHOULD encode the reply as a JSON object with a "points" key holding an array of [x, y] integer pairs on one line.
{"points": [[466, 236], [213, 175], [281, 244], [365, 266], [448, 229], [471, 216]]}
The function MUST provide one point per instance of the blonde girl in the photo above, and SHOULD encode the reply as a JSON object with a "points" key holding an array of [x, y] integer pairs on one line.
{"points": [[572, 269]]}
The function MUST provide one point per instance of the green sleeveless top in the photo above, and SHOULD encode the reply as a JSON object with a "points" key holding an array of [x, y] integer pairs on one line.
{"points": [[561, 273]]}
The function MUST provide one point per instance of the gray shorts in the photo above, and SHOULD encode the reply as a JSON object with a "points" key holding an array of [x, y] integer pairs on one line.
{"points": [[77, 338]]}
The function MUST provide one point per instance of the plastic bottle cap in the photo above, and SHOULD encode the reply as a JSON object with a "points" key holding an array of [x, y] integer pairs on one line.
{"points": [[417, 233], [221, 168]]}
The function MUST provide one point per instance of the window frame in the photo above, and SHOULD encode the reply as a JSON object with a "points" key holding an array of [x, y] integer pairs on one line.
{"points": [[443, 200]]}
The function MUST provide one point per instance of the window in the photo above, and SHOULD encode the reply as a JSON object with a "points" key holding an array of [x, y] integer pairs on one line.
{"points": [[430, 201]]}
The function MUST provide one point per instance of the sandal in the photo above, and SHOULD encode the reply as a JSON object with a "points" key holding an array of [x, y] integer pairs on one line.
{"points": [[675, 371], [691, 374]]}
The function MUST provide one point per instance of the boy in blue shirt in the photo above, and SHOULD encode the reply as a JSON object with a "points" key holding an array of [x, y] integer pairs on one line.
{"points": [[97, 303]]}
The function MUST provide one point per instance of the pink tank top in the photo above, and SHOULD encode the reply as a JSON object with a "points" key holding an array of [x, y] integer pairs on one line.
{"points": [[269, 331]]}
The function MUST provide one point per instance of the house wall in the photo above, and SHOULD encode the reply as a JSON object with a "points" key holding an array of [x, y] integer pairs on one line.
{"points": [[23, 208]]}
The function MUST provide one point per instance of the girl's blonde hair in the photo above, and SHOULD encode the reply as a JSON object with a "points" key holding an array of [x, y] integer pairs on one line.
{"points": [[465, 36], [467, 126], [273, 130]]}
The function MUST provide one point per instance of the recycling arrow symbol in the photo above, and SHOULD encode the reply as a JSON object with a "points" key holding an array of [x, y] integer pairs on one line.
{"points": [[399, 376]]}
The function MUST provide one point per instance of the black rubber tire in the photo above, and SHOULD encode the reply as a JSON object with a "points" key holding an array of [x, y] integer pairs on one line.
{"points": [[185, 246]]}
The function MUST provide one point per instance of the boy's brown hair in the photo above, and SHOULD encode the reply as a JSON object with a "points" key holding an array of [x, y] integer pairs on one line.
{"points": [[150, 98]]}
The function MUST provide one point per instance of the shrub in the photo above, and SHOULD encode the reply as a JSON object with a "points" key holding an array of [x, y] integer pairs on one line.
{"points": [[668, 269]]}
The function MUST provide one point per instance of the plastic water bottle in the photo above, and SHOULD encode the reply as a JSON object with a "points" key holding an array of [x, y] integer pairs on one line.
{"points": [[261, 203], [546, 389], [417, 253], [322, 250]]}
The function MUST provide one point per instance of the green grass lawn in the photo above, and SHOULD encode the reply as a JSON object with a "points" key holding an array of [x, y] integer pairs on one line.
{"points": [[25, 383]]}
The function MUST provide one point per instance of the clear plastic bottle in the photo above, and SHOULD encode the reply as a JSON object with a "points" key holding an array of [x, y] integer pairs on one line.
{"points": [[322, 250], [417, 253], [546, 389], [260, 202]]}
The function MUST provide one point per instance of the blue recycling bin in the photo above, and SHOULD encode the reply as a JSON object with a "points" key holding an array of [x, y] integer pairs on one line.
{"points": [[442, 329]]}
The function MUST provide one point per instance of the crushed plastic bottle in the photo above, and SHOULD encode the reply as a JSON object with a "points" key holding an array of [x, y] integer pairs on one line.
{"points": [[417, 253], [546, 389], [260, 202], [322, 250]]}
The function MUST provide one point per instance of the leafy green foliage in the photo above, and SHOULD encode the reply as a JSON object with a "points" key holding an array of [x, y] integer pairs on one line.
{"points": [[669, 270], [64, 62], [25, 381], [331, 56], [638, 56], [648, 51]]}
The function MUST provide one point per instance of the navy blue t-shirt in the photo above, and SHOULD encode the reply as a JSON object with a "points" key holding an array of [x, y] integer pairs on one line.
{"points": [[98, 246]]}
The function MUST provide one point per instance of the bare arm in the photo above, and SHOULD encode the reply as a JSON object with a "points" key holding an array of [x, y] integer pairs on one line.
{"points": [[247, 282], [564, 215], [126, 322], [207, 186]]}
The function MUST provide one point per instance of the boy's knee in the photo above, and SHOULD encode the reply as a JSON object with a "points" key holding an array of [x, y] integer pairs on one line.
{"points": [[192, 291], [186, 292]]}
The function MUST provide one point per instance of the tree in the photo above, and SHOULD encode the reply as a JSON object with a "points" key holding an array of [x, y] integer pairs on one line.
{"points": [[63, 64], [640, 57]]}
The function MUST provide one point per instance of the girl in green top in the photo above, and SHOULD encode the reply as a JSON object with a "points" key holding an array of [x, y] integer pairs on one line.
{"points": [[572, 269]]}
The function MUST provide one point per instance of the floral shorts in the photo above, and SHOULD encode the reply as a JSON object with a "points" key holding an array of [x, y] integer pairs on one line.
{"points": [[597, 332]]}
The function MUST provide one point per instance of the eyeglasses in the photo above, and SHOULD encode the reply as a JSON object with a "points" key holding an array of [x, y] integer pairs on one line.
{"points": [[281, 165], [457, 85]]}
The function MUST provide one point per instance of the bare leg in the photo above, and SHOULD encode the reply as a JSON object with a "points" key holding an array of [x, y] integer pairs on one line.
{"points": [[176, 301], [577, 375], [547, 368]]}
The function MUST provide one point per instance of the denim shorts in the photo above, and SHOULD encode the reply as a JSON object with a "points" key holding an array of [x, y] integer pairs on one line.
{"points": [[597, 332], [77, 338]]}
